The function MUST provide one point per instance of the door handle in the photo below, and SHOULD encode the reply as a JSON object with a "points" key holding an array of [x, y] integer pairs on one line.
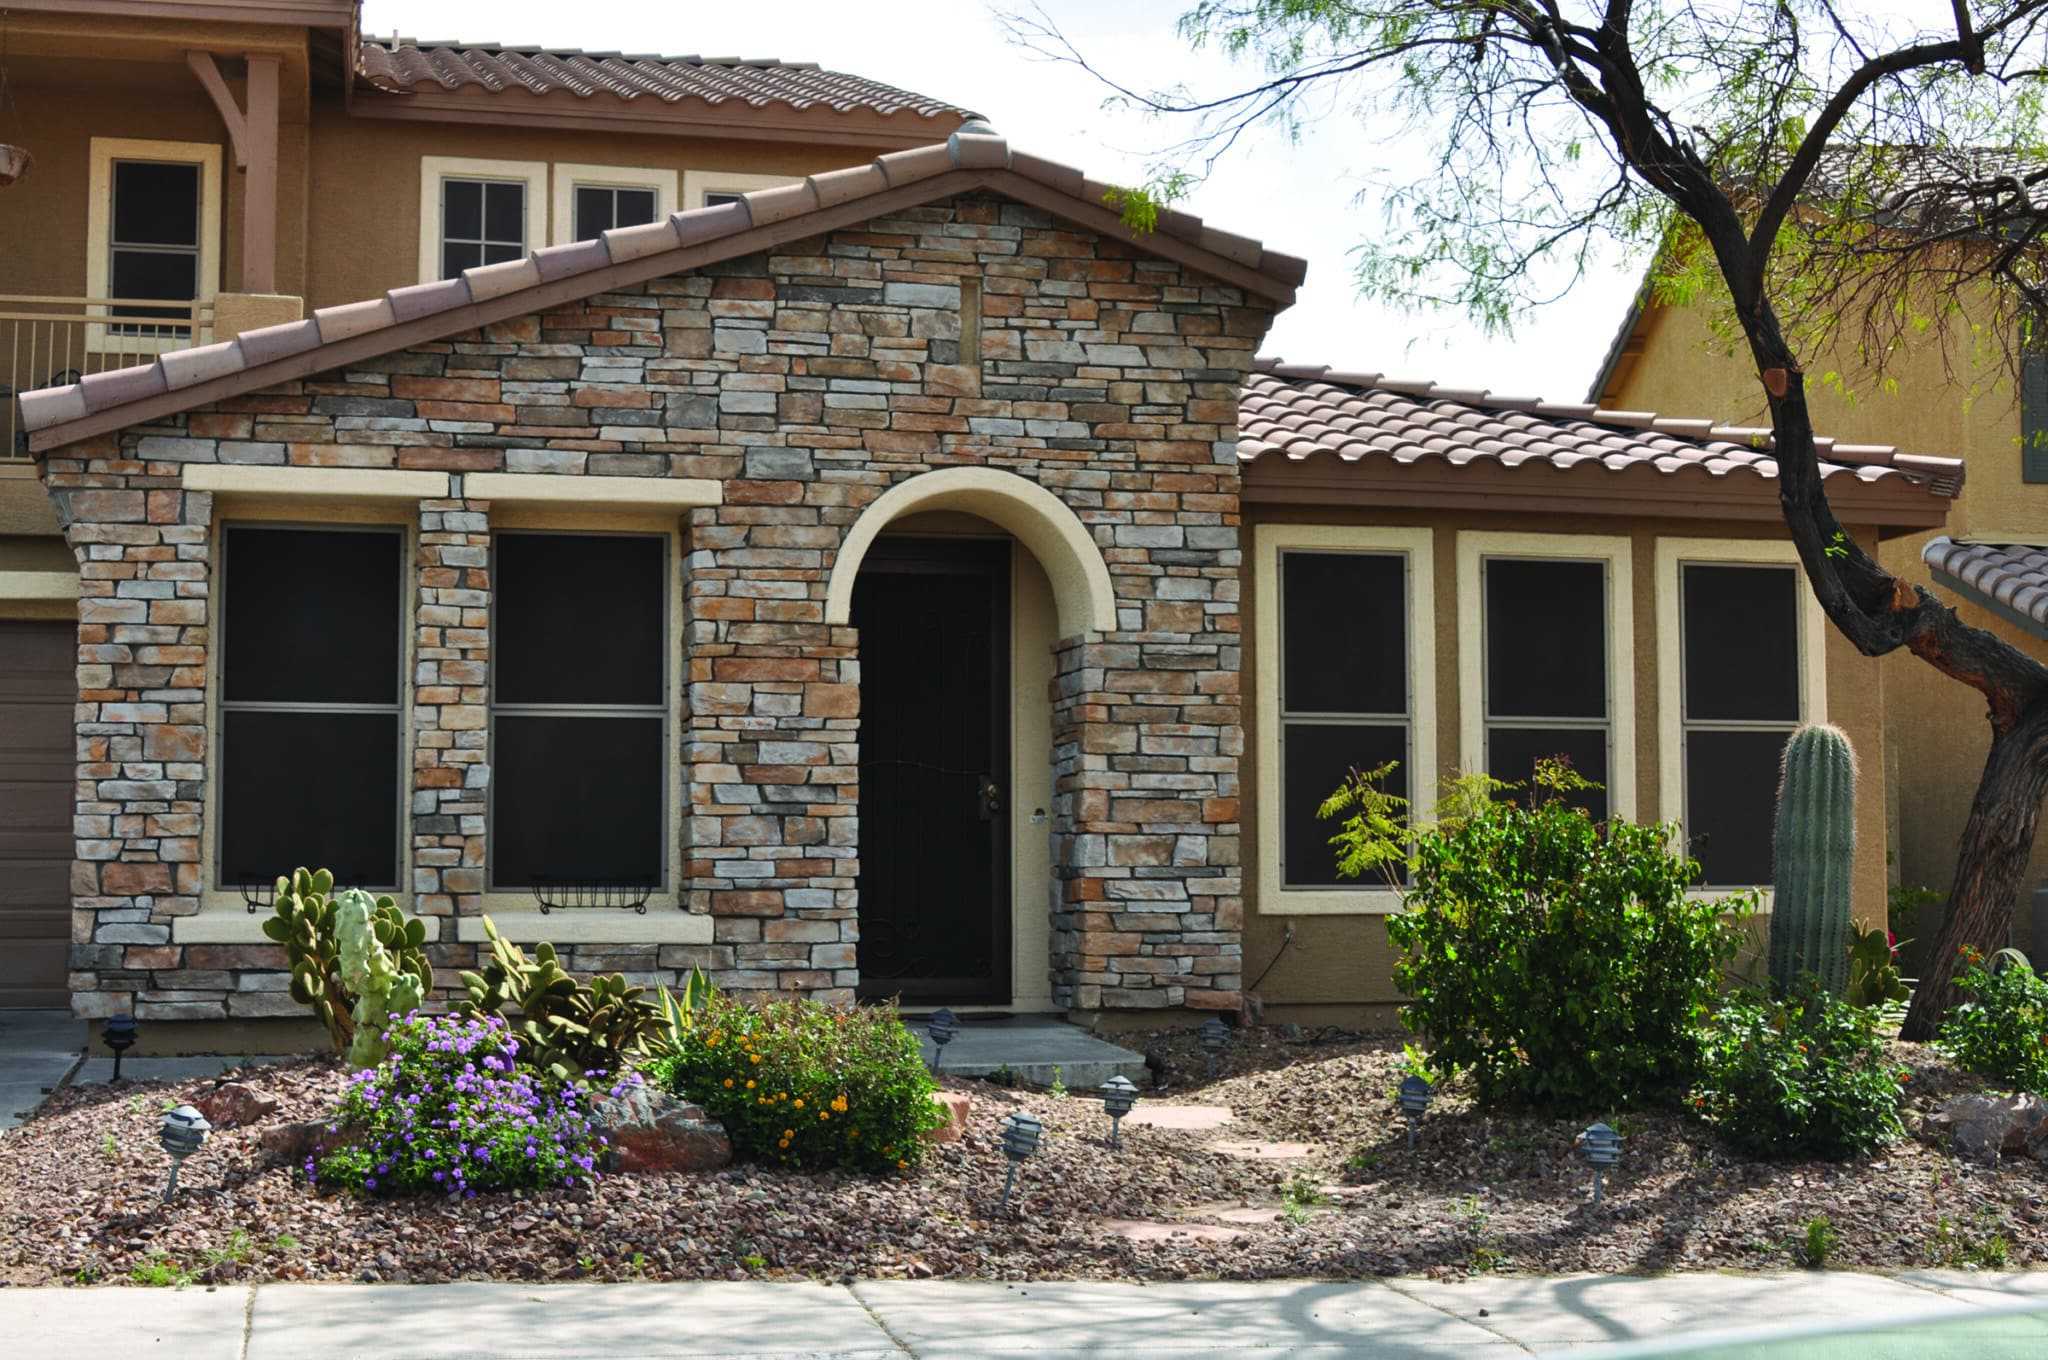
{"points": [[989, 799]]}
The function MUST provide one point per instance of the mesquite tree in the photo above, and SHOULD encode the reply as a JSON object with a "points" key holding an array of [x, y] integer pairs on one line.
{"points": [[1828, 177]]}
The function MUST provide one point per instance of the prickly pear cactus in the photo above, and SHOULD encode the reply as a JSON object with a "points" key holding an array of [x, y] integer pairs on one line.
{"points": [[384, 990], [566, 1026], [1815, 852]]}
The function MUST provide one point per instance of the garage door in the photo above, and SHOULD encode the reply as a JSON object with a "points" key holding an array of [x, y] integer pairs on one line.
{"points": [[37, 662]]}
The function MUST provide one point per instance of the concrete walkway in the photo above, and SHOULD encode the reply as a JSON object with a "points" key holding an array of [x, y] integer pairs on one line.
{"points": [[37, 1049], [1389, 1320], [1032, 1046]]}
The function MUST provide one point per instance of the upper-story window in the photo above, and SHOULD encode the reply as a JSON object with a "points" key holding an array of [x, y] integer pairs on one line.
{"points": [[476, 212], [591, 200], [2034, 417], [601, 207], [153, 232], [709, 188]]}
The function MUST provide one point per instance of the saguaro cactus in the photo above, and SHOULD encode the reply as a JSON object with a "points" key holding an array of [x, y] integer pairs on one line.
{"points": [[1815, 852]]}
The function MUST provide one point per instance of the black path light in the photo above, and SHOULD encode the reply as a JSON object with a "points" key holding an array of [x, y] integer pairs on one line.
{"points": [[1021, 1133], [1413, 1098], [1215, 1037], [119, 1035], [184, 1132], [940, 1029], [1601, 1146], [1118, 1096]]}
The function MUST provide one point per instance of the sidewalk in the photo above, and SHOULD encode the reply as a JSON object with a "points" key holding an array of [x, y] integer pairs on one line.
{"points": [[1387, 1320]]}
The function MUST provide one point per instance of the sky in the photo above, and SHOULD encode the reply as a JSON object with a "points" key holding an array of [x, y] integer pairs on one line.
{"points": [[1301, 197]]}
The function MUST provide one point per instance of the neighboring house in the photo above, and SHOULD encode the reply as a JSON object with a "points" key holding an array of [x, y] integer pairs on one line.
{"points": [[1985, 560], [900, 582]]}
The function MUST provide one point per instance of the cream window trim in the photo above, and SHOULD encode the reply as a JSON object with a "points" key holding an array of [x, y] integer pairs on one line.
{"points": [[625, 493], [526, 925], [697, 183], [99, 227], [379, 484], [1268, 542], [1473, 548], [38, 585], [226, 919], [435, 169], [568, 177], [1672, 554]]}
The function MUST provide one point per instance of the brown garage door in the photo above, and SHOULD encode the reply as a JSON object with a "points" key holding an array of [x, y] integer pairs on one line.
{"points": [[37, 683]]}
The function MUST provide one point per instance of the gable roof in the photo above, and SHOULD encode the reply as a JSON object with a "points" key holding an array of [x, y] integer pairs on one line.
{"points": [[684, 88], [1366, 423], [333, 336]]}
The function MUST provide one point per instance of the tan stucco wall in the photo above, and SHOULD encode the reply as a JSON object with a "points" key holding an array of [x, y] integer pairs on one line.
{"points": [[1346, 962], [1937, 734]]}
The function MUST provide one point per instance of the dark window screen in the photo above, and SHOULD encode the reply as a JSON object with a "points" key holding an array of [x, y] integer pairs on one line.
{"points": [[579, 619], [311, 615], [1346, 627], [2034, 417], [313, 789], [156, 204], [1316, 757], [1730, 797], [1546, 639], [600, 209], [482, 222], [1741, 643], [577, 800], [1512, 753], [714, 199]]}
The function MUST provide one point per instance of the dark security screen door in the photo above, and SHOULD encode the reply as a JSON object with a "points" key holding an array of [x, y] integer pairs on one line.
{"points": [[934, 621]]}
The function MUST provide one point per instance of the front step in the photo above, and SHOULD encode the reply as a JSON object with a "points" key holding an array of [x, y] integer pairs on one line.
{"points": [[1031, 1046]]}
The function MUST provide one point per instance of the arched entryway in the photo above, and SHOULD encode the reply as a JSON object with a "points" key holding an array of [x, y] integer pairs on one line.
{"points": [[960, 592]]}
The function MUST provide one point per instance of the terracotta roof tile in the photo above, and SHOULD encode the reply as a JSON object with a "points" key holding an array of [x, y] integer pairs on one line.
{"points": [[406, 65], [1298, 411], [2010, 578]]}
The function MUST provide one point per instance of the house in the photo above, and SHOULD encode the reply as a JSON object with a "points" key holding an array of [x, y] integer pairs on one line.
{"points": [[899, 581], [1985, 560]]}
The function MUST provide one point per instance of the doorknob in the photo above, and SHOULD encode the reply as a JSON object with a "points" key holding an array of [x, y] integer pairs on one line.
{"points": [[990, 799]]}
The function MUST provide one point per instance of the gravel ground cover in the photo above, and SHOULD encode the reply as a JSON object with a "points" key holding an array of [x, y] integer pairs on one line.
{"points": [[79, 1188]]}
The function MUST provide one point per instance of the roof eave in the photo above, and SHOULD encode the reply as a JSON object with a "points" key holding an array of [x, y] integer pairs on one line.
{"points": [[2023, 621]]}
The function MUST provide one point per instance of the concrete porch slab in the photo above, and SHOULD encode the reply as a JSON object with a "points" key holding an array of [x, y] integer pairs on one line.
{"points": [[36, 1049], [1031, 1046]]}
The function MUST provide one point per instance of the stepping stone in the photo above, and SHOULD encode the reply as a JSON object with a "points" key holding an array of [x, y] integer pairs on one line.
{"points": [[1251, 1217], [1143, 1230], [1195, 1117], [1265, 1152]]}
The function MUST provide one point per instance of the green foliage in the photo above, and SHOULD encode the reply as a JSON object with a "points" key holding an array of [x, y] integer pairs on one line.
{"points": [[804, 1085], [1822, 1239], [1798, 1075], [1301, 1193], [390, 974], [1958, 1246], [454, 1109], [1874, 969], [1555, 958], [159, 1271], [2001, 1032], [1139, 206], [678, 1013], [1814, 851], [566, 1027]]}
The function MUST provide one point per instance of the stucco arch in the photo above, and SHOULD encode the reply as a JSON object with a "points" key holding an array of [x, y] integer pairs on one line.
{"points": [[1041, 521]]}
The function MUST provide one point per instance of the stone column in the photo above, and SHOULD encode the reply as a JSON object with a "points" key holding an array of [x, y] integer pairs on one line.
{"points": [[451, 674]]}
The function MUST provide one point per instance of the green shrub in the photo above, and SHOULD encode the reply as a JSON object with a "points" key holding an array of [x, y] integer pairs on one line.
{"points": [[453, 1110], [1800, 1075], [799, 1083], [1555, 958], [566, 1026], [2001, 1032]]}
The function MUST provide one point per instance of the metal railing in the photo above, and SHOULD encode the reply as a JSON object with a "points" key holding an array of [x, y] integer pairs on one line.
{"points": [[51, 341]]}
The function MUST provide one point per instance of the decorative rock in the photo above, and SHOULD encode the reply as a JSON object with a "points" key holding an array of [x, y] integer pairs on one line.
{"points": [[293, 1143], [651, 1130], [957, 1107], [1983, 1127], [233, 1103]]}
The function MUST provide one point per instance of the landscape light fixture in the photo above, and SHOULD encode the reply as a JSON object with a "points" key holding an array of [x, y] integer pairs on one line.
{"points": [[1413, 1098], [1602, 1148], [118, 1034], [1215, 1038], [184, 1132], [940, 1029], [1020, 1140], [1118, 1096]]}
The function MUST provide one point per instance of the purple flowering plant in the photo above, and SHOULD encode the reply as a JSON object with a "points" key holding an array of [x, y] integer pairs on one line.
{"points": [[453, 1111]]}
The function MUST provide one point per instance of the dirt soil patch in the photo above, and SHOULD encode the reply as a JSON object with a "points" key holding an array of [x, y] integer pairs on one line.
{"points": [[79, 1187]]}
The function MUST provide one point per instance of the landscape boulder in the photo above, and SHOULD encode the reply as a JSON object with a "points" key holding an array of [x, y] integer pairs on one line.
{"points": [[233, 1103], [294, 1142], [652, 1131], [1982, 1128], [956, 1107]]}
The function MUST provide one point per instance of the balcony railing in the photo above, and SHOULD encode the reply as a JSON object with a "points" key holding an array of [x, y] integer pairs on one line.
{"points": [[51, 341]]}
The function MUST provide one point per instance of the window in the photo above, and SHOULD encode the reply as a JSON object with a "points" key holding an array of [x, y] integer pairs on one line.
{"points": [[310, 733], [1346, 678], [479, 212], [1546, 637], [715, 200], [591, 200], [1739, 668], [579, 737], [153, 231], [2034, 417], [709, 188]]}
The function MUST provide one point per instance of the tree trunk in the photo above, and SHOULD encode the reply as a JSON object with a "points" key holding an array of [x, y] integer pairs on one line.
{"points": [[1991, 863]]}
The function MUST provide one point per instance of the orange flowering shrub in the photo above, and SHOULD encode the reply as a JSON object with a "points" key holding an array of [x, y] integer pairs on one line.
{"points": [[801, 1084]]}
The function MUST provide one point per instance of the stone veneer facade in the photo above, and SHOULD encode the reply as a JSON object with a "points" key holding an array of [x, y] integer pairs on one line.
{"points": [[807, 381]]}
